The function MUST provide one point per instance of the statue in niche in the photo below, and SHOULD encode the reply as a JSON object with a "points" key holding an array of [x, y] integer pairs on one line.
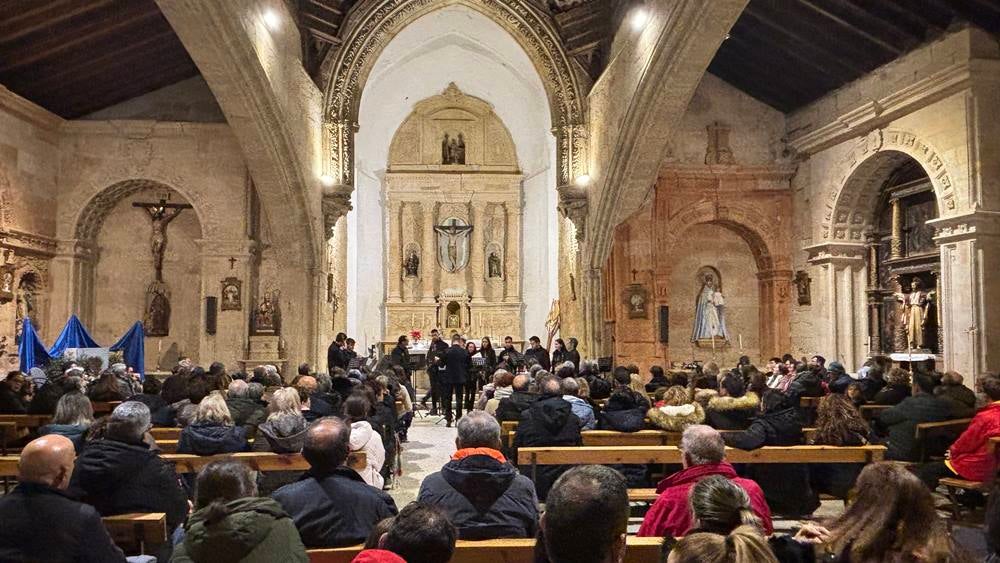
{"points": [[453, 149], [709, 313], [25, 303], [411, 264], [493, 263], [266, 318], [914, 315], [157, 321]]}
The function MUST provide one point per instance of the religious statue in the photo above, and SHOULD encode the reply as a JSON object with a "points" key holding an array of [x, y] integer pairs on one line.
{"points": [[913, 317], [232, 298], [453, 244], [266, 318], [453, 149], [411, 265], [493, 263], [161, 213], [460, 150], [157, 321], [446, 150], [709, 314]]}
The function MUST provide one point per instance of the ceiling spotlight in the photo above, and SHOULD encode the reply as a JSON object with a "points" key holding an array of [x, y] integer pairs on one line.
{"points": [[582, 180], [639, 18], [272, 20], [327, 180]]}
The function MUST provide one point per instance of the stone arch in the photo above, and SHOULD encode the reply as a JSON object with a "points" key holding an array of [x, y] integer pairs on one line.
{"points": [[851, 204], [373, 23], [93, 214], [746, 222]]}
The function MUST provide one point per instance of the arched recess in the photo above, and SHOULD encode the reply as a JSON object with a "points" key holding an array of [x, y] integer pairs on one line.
{"points": [[113, 268], [373, 23]]}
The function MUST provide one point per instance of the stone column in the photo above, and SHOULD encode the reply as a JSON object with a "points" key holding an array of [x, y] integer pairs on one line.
{"points": [[512, 268], [592, 295], [896, 244], [970, 301], [72, 284], [874, 336], [428, 258], [841, 264], [774, 328], [394, 252], [478, 256]]}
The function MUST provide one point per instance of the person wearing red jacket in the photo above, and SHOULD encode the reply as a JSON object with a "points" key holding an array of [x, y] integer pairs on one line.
{"points": [[970, 456], [703, 455]]}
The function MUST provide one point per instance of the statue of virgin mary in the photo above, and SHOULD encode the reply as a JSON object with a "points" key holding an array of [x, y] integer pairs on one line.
{"points": [[710, 309]]}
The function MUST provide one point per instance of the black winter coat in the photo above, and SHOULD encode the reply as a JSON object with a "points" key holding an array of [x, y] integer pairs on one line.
{"points": [[335, 358], [729, 413], [206, 438], [284, 434], [891, 395], [334, 510], [119, 478], [483, 498], [900, 422], [160, 412], [541, 355], [625, 411], [42, 524], [510, 409], [456, 365], [46, 399], [600, 388], [548, 422], [657, 382], [786, 486], [401, 357], [11, 402]]}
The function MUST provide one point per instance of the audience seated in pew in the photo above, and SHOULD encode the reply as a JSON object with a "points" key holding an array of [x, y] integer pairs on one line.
{"points": [[657, 379], [160, 411], [600, 387], [212, 431], [106, 389], [119, 474], [970, 456], [40, 522], [47, 397], [283, 432], [231, 523], [549, 421], [365, 438], [482, 494], [246, 412], [734, 406], [74, 417], [897, 387], [581, 408], [838, 423], [786, 486], [519, 400], [675, 411], [331, 505], [953, 388], [703, 455], [14, 394], [900, 422], [626, 408]]}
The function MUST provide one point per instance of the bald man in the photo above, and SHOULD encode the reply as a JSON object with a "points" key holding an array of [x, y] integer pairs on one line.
{"points": [[40, 523]]}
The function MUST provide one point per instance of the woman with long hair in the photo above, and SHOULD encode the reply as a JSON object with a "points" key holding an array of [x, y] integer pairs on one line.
{"points": [[364, 438], [892, 518], [212, 430], [105, 388], [489, 354], [232, 523], [74, 416], [742, 545], [734, 406], [558, 352], [283, 432]]}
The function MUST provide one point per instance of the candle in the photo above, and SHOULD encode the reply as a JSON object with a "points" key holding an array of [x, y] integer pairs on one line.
{"points": [[741, 343]]}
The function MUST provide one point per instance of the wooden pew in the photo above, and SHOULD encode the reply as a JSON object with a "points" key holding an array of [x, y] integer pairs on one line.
{"points": [[646, 455], [139, 532], [638, 550], [871, 412], [640, 438], [29, 421], [165, 433], [8, 433], [104, 408], [947, 430], [170, 446], [187, 463], [954, 484]]}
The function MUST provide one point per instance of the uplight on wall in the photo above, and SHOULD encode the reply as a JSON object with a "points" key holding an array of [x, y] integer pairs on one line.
{"points": [[271, 19], [582, 181], [327, 180], [639, 17]]}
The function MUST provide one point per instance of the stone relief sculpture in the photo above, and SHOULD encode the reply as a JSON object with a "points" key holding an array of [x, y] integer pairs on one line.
{"points": [[453, 149], [709, 315]]}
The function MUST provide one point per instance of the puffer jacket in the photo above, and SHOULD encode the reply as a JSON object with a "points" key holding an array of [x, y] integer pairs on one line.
{"points": [[548, 422], [483, 496], [732, 413], [364, 437], [77, 433], [209, 438], [970, 456], [676, 419], [900, 423], [254, 530], [625, 411], [513, 406], [283, 434]]}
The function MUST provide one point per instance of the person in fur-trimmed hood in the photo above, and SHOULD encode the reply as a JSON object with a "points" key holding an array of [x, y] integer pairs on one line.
{"points": [[676, 411], [733, 407]]}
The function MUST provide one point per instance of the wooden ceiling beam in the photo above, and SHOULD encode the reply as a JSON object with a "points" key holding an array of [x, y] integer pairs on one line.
{"points": [[112, 94], [763, 91], [871, 38], [875, 25], [125, 69], [49, 15], [767, 63], [780, 38]]}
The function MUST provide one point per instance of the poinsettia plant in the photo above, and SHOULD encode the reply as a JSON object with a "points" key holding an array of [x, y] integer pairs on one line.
{"points": [[415, 335]]}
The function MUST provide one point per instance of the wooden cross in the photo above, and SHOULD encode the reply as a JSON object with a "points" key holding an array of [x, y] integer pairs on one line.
{"points": [[161, 213], [232, 263]]}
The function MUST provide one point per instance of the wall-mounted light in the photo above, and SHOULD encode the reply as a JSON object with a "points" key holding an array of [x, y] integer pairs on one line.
{"points": [[639, 17], [327, 180], [582, 181], [271, 19]]}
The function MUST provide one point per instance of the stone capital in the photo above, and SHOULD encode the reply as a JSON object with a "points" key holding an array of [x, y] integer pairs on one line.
{"points": [[78, 249], [573, 204], [336, 204], [837, 253], [967, 226]]}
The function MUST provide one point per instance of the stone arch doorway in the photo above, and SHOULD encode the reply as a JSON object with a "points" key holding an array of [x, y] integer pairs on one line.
{"points": [[114, 269]]}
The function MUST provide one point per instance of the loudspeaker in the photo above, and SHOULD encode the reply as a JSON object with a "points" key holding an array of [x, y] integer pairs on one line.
{"points": [[664, 324], [211, 314]]}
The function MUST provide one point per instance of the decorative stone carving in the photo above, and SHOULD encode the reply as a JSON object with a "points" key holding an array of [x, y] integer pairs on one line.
{"points": [[336, 204], [803, 288], [411, 261], [718, 151], [574, 206], [266, 319]]}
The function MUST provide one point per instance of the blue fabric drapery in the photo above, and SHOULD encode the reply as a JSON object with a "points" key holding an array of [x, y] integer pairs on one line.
{"points": [[31, 351], [73, 335], [133, 349]]}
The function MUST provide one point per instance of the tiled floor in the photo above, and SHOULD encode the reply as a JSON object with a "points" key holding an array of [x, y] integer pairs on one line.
{"points": [[429, 448]]}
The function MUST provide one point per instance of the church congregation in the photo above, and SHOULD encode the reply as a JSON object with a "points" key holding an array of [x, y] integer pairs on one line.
{"points": [[499, 281]]}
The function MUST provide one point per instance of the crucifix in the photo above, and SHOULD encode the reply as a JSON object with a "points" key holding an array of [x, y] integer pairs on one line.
{"points": [[161, 213], [232, 263], [452, 229]]}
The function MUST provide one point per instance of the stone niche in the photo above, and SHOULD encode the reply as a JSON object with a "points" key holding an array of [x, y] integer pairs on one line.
{"points": [[452, 166]]}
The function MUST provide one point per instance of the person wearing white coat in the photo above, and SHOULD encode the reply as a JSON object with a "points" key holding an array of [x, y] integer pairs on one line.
{"points": [[365, 438]]}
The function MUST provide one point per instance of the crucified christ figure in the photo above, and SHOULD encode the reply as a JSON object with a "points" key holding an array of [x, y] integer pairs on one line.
{"points": [[161, 213]]}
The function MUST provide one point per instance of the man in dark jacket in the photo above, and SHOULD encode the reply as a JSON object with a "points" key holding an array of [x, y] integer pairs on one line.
{"points": [[245, 411], [549, 421], [331, 505], [335, 357], [435, 369], [481, 492], [510, 408], [456, 373], [539, 354], [900, 422], [401, 355], [40, 522], [119, 474]]}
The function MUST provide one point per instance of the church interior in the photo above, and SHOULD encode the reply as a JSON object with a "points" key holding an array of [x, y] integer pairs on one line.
{"points": [[425, 205]]}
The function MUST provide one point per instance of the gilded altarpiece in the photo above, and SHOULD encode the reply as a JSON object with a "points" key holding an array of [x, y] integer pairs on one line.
{"points": [[453, 201]]}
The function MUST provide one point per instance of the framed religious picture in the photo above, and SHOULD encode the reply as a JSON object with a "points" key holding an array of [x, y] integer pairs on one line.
{"points": [[7, 274], [636, 299], [232, 294]]}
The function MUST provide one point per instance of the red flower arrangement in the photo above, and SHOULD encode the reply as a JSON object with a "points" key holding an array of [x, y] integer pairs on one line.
{"points": [[415, 334]]}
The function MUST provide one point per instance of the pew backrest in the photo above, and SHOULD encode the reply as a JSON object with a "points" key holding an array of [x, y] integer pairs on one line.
{"points": [[137, 533]]}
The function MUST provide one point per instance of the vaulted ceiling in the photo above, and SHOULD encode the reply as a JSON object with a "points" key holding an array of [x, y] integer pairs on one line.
{"points": [[74, 57]]}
